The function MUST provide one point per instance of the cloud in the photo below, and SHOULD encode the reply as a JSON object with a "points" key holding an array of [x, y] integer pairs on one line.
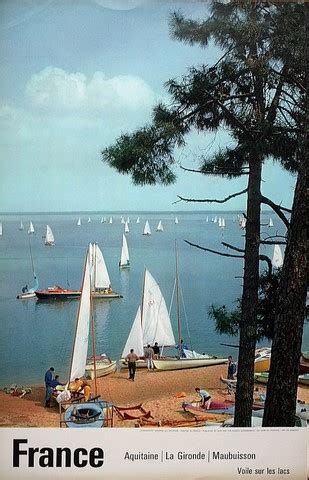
{"points": [[55, 88], [120, 4]]}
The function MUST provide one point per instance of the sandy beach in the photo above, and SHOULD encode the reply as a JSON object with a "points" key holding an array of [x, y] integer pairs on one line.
{"points": [[160, 393]]}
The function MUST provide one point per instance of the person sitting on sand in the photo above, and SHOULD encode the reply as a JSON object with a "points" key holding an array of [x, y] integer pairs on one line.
{"points": [[80, 385], [205, 397]]}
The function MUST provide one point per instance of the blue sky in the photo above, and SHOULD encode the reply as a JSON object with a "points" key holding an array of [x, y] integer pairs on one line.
{"points": [[75, 74]]}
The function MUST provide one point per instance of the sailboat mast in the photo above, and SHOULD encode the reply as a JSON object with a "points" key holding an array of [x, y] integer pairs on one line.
{"points": [[93, 346], [177, 299], [142, 302]]}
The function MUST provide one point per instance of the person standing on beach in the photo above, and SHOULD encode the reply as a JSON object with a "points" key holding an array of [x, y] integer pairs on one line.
{"points": [[231, 368], [132, 358], [156, 350], [182, 347], [149, 354], [48, 379], [205, 397]]}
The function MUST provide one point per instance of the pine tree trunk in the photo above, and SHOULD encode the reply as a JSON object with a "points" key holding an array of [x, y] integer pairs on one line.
{"points": [[247, 340], [286, 348]]}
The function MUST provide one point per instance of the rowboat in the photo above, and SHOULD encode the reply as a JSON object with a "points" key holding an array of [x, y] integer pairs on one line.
{"points": [[103, 364]]}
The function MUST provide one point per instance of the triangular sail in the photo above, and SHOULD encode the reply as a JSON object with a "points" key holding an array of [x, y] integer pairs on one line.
{"points": [[156, 321], [80, 346], [79, 222], [31, 228], [49, 237], [0, 229], [160, 227], [271, 223], [126, 227], [138, 220], [147, 230], [277, 260], [176, 220], [124, 260], [21, 225], [135, 338], [101, 277], [36, 284]]}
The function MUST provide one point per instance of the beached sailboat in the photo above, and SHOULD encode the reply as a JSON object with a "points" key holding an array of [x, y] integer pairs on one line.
{"points": [[277, 260], [87, 413], [31, 228], [49, 237], [160, 227], [190, 358], [101, 284], [147, 230], [29, 292], [21, 227], [124, 258]]}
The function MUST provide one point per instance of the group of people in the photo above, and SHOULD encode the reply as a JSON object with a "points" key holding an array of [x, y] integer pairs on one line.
{"points": [[150, 353], [52, 383]]}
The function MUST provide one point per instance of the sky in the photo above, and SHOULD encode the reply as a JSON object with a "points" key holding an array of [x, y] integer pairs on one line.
{"points": [[74, 75]]}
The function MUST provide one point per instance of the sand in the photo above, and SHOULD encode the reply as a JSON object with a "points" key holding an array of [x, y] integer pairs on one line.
{"points": [[158, 392]]}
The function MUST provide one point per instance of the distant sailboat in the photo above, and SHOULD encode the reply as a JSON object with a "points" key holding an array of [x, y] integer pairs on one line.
{"points": [[147, 230], [271, 223], [242, 223], [277, 260], [100, 281], [176, 220], [31, 228], [89, 219], [102, 220], [160, 227], [49, 237], [122, 220], [128, 220], [29, 292], [1, 229], [138, 220], [207, 219], [21, 227], [111, 220], [79, 222], [126, 228], [124, 259]]}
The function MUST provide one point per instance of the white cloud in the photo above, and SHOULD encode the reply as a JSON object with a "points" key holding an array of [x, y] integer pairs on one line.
{"points": [[57, 89]]}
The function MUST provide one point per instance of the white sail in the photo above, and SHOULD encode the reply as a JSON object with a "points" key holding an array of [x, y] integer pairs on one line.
{"points": [[126, 228], [21, 225], [49, 237], [215, 219], [31, 228], [124, 259], [79, 222], [207, 219], [101, 277], [277, 260], [102, 220], [123, 220], [243, 223], [138, 220], [156, 323], [89, 219], [271, 223], [160, 227], [176, 220], [135, 338], [0, 229], [223, 223], [111, 220], [220, 222], [128, 220], [147, 230], [80, 347]]}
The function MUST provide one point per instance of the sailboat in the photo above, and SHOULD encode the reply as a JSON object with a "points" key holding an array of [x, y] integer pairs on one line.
{"points": [[21, 227], [152, 321], [271, 223], [176, 220], [88, 413], [126, 227], [29, 292], [49, 237], [101, 284], [1, 231], [147, 230], [111, 220], [124, 258], [31, 228], [89, 219], [138, 220], [160, 227], [79, 222], [191, 359], [277, 260]]}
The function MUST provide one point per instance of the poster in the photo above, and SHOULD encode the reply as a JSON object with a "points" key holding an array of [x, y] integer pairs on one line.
{"points": [[75, 77]]}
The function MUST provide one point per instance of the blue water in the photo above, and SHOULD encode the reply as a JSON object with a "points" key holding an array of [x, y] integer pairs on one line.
{"points": [[36, 335]]}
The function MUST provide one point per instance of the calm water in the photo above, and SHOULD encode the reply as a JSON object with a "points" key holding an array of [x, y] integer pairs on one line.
{"points": [[36, 334]]}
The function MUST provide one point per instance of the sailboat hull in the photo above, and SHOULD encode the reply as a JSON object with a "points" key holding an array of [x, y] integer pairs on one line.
{"points": [[57, 293], [24, 296], [102, 294], [102, 368], [184, 363]]}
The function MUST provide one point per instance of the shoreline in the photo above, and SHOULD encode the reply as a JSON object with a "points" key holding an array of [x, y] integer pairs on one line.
{"points": [[160, 393]]}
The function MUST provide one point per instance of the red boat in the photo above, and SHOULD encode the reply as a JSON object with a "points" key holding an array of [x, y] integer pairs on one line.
{"points": [[57, 293]]}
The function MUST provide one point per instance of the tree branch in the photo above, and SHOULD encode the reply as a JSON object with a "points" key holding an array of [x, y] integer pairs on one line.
{"points": [[269, 242], [292, 79], [277, 208], [214, 251], [270, 266], [227, 245], [211, 200]]}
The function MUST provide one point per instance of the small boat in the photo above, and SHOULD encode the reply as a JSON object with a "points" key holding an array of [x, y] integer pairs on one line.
{"points": [[49, 237], [100, 282], [304, 378], [138, 220], [160, 227], [261, 377], [270, 223], [21, 227], [31, 228], [89, 219], [262, 359], [111, 220], [124, 261], [176, 220], [57, 293], [126, 227], [217, 407], [103, 364], [29, 292], [79, 222], [277, 259], [1, 229], [91, 414], [147, 230]]}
